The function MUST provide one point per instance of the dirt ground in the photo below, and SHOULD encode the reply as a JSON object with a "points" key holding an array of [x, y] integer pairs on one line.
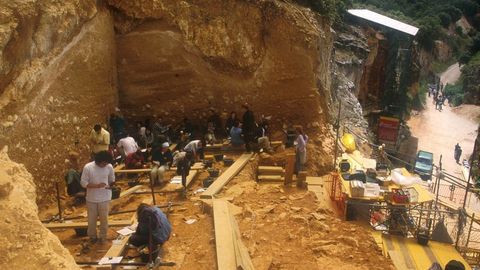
{"points": [[282, 227]]}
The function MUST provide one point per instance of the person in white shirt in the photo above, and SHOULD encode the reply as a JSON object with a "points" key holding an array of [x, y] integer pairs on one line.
{"points": [[100, 139], [300, 149], [127, 145], [97, 178], [196, 148]]}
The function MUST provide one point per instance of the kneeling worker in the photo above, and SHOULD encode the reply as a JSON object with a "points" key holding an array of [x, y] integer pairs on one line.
{"points": [[97, 177], [151, 221]]}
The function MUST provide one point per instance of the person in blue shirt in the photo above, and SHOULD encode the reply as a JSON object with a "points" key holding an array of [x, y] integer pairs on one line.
{"points": [[236, 134], [150, 220]]}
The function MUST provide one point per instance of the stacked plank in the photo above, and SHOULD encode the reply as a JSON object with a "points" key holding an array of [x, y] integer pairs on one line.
{"points": [[270, 174], [231, 252]]}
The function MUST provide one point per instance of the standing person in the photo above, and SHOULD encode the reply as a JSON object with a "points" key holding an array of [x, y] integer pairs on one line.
{"points": [[162, 158], [248, 127], [196, 148], [97, 178], [117, 124], [127, 145], [100, 139], [457, 153], [151, 221], [230, 122], [300, 149]]}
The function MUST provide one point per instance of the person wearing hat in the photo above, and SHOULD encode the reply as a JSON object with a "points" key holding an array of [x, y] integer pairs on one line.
{"points": [[162, 158]]}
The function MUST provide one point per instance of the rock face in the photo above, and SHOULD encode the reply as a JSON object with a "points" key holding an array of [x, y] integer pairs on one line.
{"points": [[183, 57], [26, 243], [58, 78]]}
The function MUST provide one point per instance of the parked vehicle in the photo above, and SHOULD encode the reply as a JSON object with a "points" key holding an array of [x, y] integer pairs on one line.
{"points": [[424, 165]]}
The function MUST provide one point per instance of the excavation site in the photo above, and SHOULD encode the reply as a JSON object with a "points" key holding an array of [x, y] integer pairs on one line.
{"points": [[230, 134]]}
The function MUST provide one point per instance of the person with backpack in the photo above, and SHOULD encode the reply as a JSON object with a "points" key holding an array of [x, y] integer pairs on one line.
{"points": [[153, 225], [300, 149]]}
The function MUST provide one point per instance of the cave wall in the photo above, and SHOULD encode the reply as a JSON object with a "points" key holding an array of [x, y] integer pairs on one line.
{"points": [[59, 84], [179, 58]]}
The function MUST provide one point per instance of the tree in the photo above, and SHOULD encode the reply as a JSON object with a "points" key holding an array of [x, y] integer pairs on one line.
{"points": [[445, 19]]}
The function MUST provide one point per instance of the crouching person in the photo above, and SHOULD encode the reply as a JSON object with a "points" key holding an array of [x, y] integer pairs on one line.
{"points": [[152, 224], [97, 178], [162, 158]]}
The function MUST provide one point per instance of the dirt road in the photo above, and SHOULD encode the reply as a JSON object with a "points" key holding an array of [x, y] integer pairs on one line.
{"points": [[439, 131], [451, 75]]}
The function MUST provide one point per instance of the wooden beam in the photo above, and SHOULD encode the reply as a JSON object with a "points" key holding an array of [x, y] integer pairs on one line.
{"points": [[276, 143], [231, 252], [270, 178], [133, 170], [84, 224], [130, 191], [226, 259], [314, 181], [289, 168], [223, 179], [191, 176], [271, 170]]}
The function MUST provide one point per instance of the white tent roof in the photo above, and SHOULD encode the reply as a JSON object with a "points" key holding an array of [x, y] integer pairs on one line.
{"points": [[384, 20]]}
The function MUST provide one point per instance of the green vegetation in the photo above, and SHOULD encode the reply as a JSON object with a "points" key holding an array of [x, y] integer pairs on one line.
{"points": [[455, 93], [430, 16], [331, 9], [419, 100], [471, 80]]}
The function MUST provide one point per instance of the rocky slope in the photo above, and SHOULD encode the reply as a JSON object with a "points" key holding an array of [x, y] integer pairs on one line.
{"points": [[26, 244], [57, 78]]}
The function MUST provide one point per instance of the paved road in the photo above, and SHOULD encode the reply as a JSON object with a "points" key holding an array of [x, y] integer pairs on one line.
{"points": [[439, 131]]}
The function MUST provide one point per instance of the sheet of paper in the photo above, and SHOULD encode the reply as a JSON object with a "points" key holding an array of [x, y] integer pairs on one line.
{"points": [[110, 260], [190, 221], [125, 231]]}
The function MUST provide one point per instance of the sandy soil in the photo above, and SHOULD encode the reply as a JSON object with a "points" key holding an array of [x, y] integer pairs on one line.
{"points": [[451, 75]]}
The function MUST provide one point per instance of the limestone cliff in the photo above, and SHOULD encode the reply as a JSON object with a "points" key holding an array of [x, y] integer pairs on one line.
{"points": [[57, 78], [181, 57], [26, 243]]}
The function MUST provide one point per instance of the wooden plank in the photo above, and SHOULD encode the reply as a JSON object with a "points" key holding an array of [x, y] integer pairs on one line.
{"points": [[191, 176], [314, 181], [133, 170], [241, 252], [289, 168], [117, 249], [172, 146], [271, 170], [130, 191], [397, 260], [231, 172], [73, 225], [270, 178], [276, 143], [226, 259]]}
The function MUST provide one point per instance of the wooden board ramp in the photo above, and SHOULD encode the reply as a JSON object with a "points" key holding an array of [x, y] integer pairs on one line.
{"points": [[223, 179], [231, 252]]}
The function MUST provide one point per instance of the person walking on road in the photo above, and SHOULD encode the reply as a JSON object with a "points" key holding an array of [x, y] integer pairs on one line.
{"points": [[457, 153]]}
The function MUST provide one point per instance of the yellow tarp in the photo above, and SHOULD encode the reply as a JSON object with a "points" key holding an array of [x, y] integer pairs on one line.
{"points": [[411, 255]]}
